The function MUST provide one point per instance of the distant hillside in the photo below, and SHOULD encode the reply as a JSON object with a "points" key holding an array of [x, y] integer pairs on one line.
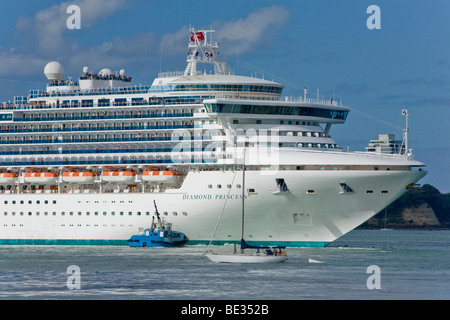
{"points": [[421, 207]]}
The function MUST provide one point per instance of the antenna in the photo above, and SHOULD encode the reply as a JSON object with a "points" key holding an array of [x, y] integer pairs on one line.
{"points": [[405, 131]]}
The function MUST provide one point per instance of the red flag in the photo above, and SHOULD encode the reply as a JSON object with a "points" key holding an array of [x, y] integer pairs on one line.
{"points": [[197, 36]]}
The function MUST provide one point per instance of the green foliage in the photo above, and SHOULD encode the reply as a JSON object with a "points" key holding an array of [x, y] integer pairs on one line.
{"points": [[415, 197]]}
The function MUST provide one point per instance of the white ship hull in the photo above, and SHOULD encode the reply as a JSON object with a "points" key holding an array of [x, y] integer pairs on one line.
{"points": [[180, 142], [296, 218]]}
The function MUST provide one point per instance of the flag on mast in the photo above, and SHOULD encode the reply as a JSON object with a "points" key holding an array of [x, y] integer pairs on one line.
{"points": [[404, 112], [199, 36]]}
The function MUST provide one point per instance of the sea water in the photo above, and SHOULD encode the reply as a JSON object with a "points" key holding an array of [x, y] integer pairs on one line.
{"points": [[408, 265]]}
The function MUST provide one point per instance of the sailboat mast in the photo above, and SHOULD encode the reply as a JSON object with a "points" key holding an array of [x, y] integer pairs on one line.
{"points": [[243, 195]]}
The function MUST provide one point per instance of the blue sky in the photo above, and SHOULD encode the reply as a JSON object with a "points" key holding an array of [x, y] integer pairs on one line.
{"points": [[317, 44]]}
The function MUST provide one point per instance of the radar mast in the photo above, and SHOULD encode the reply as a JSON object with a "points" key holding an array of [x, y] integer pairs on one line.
{"points": [[203, 50]]}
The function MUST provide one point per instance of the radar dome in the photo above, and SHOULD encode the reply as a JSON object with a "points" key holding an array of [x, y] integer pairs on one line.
{"points": [[105, 72], [54, 70], [85, 69]]}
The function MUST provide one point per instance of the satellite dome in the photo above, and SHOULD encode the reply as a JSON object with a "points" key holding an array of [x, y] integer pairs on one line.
{"points": [[105, 72], [122, 72], [85, 69], [54, 70]]}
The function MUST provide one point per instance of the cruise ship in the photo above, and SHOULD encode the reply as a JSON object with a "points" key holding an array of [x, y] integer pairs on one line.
{"points": [[81, 162]]}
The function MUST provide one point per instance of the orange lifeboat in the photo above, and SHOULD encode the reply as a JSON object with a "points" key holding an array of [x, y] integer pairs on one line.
{"points": [[81, 177], [8, 178], [116, 176], [36, 177], [164, 176]]}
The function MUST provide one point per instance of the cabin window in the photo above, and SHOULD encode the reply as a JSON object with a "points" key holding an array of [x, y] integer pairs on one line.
{"points": [[311, 191]]}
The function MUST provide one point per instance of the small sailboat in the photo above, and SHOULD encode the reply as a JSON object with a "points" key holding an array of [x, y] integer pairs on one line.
{"points": [[158, 237], [262, 255], [385, 228]]}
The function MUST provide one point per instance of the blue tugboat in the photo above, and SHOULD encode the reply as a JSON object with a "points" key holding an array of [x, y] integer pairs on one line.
{"points": [[158, 237]]}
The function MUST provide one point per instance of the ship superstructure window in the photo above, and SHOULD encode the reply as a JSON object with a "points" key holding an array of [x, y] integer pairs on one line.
{"points": [[277, 110], [229, 87]]}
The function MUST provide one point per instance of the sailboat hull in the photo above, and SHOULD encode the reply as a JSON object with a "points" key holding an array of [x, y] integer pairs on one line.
{"points": [[244, 258]]}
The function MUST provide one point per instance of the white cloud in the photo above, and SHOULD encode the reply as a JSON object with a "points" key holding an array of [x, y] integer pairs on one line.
{"points": [[49, 25], [49, 39], [257, 28], [174, 43], [246, 33], [14, 64]]}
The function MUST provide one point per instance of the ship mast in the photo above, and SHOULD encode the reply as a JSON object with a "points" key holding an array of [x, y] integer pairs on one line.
{"points": [[406, 131], [203, 50]]}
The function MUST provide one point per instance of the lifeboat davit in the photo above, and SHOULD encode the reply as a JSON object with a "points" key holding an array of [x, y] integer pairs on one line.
{"points": [[8, 178], [81, 177], [117, 176], [164, 176], [36, 177]]}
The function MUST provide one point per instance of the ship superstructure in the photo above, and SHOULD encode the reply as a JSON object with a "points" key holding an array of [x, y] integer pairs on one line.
{"points": [[82, 161]]}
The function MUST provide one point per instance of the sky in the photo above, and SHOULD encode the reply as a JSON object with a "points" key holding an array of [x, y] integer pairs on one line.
{"points": [[323, 45]]}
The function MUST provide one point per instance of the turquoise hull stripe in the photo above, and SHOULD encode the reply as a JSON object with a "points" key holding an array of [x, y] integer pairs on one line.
{"points": [[64, 242], [94, 242]]}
